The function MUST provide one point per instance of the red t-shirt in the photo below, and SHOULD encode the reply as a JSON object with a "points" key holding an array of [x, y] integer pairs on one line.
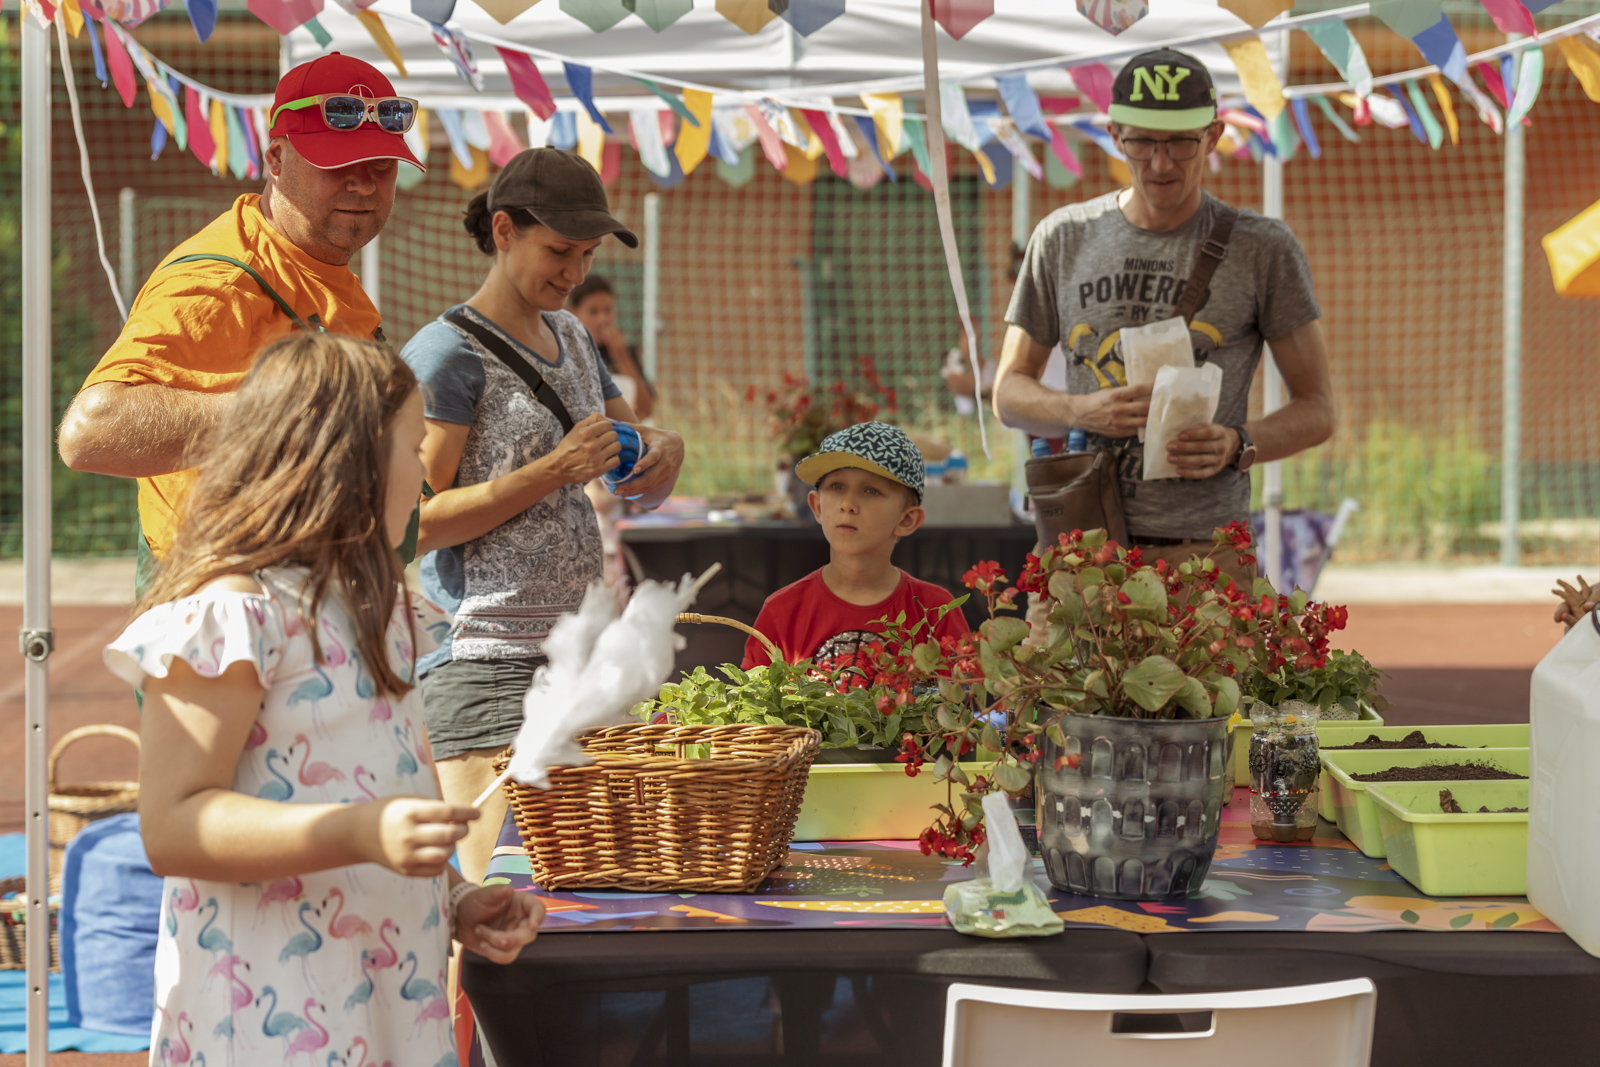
{"points": [[807, 620]]}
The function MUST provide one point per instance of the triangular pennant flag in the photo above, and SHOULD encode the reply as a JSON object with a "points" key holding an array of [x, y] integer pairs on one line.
{"points": [[1419, 104], [1261, 85], [780, 120], [847, 143], [830, 144], [674, 175], [1284, 136], [1012, 140], [72, 14], [1407, 17], [1491, 77], [1094, 81], [659, 14], [1256, 12], [203, 17], [814, 148], [474, 129], [1537, 6], [238, 158], [454, 45], [121, 68], [252, 150], [218, 128], [887, 115], [1063, 153], [959, 16], [380, 37], [1113, 16], [1338, 122], [180, 112], [771, 143], [1412, 120], [671, 101], [1101, 137], [580, 80], [1381, 108], [158, 140], [161, 108], [1582, 59], [809, 16], [598, 15], [749, 15], [694, 140], [1440, 46], [721, 144], [983, 113], [1336, 42], [995, 164], [646, 131], [470, 177], [956, 118], [610, 163], [1529, 79], [1447, 106], [1488, 114], [504, 145], [528, 83], [1510, 17], [435, 11], [668, 122], [869, 134], [734, 127], [502, 11], [1573, 249], [1302, 119], [1023, 105], [450, 119], [591, 140], [799, 169], [919, 144], [284, 15], [197, 121], [318, 34], [740, 171]]}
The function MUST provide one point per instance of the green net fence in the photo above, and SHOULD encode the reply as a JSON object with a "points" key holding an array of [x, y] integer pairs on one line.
{"points": [[761, 277]]}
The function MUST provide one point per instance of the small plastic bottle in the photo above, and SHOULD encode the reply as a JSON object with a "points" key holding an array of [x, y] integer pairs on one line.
{"points": [[934, 471], [955, 468], [1077, 441]]}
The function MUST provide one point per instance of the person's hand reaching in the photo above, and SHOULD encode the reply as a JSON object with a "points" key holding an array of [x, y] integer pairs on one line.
{"points": [[496, 921], [1575, 603], [657, 472]]}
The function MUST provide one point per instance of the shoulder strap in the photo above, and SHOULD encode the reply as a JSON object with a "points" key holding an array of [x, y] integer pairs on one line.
{"points": [[287, 310], [1211, 255], [540, 388]]}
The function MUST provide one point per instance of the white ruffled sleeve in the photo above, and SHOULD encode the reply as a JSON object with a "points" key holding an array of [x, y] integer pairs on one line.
{"points": [[433, 623], [210, 631]]}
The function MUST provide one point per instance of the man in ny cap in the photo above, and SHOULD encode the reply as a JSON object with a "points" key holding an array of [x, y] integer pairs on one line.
{"points": [[272, 263], [1120, 260]]}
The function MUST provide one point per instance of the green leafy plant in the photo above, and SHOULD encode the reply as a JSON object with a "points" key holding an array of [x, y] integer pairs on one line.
{"points": [[1346, 679]]}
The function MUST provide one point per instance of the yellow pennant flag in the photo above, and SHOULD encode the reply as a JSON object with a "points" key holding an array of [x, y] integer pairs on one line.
{"points": [[380, 37], [802, 169], [986, 165], [1256, 12], [74, 16], [503, 11], [749, 15], [1119, 172], [1585, 63], [1574, 253], [694, 141], [161, 108], [1261, 85], [219, 136], [888, 116], [1447, 105], [470, 179], [591, 140]]}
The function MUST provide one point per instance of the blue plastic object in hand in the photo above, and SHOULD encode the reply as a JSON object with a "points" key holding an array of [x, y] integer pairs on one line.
{"points": [[633, 450]]}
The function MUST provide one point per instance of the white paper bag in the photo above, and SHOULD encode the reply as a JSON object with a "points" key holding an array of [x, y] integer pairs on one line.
{"points": [[1146, 349], [1185, 398]]}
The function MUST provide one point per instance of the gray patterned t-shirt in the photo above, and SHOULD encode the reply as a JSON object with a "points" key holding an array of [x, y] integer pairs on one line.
{"points": [[507, 587], [1088, 272]]}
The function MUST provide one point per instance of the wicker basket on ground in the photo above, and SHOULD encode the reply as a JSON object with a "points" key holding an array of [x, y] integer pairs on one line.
{"points": [[72, 807], [654, 814], [14, 927]]}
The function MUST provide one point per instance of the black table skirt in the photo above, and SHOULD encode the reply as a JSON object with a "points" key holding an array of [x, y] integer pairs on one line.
{"points": [[876, 997]]}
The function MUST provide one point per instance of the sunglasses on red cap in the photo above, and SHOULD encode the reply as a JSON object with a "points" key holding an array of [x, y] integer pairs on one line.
{"points": [[344, 111]]}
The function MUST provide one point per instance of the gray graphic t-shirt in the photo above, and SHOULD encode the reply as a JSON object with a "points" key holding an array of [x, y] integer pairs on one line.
{"points": [[508, 587], [1089, 272]]}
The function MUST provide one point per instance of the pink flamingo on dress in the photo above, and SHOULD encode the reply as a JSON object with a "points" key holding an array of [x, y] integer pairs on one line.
{"points": [[363, 1061], [342, 925], [313, 1037], [435, 1009], [388, 957], [318, 773], [186, 899], [214, 667], [333, 652], [356, 774], [241, 994], [380, 713], [281, 891], [258, 735], [176, 1051]]}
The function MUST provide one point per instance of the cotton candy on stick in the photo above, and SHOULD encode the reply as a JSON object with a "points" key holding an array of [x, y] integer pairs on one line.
{"points": [[600, 666]]}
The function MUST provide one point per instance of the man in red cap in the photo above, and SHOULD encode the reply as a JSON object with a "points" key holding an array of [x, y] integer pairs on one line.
{"points": [[270, 264]]}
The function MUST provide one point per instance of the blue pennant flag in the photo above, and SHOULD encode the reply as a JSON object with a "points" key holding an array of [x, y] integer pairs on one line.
{"points": [[564, 130], [720, 147], [1023, 104], [807, 16], [1100, 137], [435, 11], [1411, 116], [99, 58], [158, 140], [1302, 119], [1440, 46], [869, 133], [203, 16], [581, 81], [982, 111]]}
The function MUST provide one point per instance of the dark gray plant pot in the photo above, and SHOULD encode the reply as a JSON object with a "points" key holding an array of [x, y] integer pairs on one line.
{"points": [[1138, 818], [858, 754]]}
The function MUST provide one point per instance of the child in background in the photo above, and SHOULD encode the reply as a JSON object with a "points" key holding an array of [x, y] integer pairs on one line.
{"points": [[287, 793], [868, 495]]}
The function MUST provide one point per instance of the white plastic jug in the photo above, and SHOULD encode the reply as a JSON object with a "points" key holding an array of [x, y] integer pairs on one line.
{"points": [[1564, 791]]}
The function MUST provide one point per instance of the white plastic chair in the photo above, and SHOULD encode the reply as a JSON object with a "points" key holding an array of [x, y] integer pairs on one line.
{"points": [[1326, 1025]]}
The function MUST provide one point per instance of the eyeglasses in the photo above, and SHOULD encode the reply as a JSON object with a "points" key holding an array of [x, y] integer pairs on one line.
{"points": [[1178, 149], [342, 111]]}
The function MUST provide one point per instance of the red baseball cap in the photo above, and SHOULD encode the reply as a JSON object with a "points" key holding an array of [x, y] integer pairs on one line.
{"points": [[329, 149]]}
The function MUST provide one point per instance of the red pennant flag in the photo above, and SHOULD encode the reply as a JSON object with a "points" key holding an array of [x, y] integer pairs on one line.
{"points": [[959, 16], [1058, 145], [818, 121], [771, 143], [198, 121], [1491, 77], [1094, 81], [528, 83], [503, 142], [610, 163], [121, 67]]}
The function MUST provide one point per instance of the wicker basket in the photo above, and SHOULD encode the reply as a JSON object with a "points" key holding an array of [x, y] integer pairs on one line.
{"points": [[14, 928], [72, 807], [645, 817]]}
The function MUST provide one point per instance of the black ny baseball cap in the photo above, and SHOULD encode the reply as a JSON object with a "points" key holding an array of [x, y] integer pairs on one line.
{"points": [[1164, 90], [561, 190]]}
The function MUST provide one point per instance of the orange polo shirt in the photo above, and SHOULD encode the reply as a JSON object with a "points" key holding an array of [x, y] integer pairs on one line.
{"points": [[198, 326]]}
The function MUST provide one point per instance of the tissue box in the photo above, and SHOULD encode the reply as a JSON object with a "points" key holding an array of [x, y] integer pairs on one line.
{"points": [[967, 504]]}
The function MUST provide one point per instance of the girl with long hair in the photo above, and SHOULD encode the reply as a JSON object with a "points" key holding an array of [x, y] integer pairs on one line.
{"points": [[286, 785]]}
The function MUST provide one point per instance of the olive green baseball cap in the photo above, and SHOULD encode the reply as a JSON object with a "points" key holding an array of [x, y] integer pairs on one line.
{"points": [[561, 190]]}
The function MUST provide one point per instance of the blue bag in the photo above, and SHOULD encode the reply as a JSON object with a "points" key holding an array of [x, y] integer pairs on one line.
{"points": [[110, 916]]}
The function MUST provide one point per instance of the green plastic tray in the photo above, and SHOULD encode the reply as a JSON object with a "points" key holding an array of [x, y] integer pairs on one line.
{"points": [[1241, 740], [1456, 855], [1354, 810], [1510, 735], [870, 802]]}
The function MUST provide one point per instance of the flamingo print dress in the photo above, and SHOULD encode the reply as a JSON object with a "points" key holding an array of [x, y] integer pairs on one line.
{"points": [[339, 967]]}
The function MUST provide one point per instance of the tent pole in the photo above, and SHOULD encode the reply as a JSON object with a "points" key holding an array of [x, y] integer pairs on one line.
{"points": [[372, 271], [1271, 380], [1511, 347], [652, 282], [127, 247], [37, 638]]}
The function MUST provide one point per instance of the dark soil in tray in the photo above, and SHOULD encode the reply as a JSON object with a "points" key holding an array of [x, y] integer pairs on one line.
{"points": [[1442, 772], [1449, 805], [1412, 740]]}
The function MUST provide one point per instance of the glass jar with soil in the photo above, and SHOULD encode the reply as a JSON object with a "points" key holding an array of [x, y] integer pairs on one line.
{"points": [[1284, 765]]}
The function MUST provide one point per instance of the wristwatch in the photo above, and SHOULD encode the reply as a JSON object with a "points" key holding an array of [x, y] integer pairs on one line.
{"points": [[1247, 451]]}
